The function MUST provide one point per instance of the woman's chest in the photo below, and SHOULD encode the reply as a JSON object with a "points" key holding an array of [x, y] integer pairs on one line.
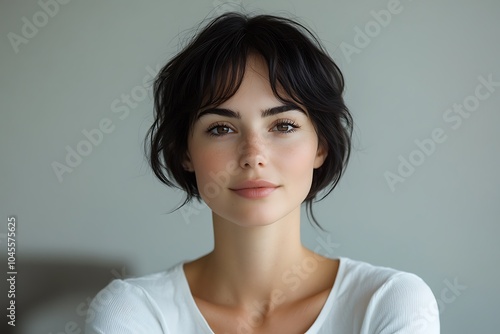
{"points": [[291, 319]]}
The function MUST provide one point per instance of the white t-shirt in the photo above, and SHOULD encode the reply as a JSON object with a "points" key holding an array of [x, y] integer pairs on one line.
{"points": [[365, 299]]}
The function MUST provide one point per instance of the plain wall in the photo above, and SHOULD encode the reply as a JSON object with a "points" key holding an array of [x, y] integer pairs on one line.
{"points": [[108, 217]]}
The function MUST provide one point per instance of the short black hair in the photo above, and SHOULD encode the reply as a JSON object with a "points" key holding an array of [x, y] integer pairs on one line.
{"points": [[210, 69]]}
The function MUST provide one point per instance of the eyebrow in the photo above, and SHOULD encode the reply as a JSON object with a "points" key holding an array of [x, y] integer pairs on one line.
{"points": [[234, 114]]}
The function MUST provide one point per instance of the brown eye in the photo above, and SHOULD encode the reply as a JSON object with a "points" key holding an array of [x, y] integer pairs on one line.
{"points": [[219, 130], [285, 127], [222, 129]]}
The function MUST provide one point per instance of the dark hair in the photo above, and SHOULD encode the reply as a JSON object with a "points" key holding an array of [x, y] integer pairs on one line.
{"points": [[209, 70]]}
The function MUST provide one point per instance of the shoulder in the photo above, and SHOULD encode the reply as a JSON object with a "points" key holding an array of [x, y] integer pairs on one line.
{"points": [[392, 300], [131, 305]]}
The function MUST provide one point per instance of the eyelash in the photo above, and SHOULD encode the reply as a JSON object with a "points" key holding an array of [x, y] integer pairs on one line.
{"points": [[281, 122]]}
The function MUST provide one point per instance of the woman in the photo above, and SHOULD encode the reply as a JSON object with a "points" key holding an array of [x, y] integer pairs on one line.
{"points": [[250, 118]]}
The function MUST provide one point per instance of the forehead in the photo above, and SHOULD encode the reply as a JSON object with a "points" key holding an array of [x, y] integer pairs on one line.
{"points": [[255, 91], [256, 67], [255, 86]]}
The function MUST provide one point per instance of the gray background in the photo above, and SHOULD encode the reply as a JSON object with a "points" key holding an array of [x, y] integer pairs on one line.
{"points": [[107, 217]]}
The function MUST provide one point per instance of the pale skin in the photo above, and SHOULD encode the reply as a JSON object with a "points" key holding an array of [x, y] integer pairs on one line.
{"points": [[256, 241]]}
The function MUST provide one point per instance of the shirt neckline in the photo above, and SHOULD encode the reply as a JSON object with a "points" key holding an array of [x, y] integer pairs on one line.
{"points": [[318, 323]]}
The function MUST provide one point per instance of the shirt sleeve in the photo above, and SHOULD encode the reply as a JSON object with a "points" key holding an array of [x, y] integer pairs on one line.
{"points": [[122, 308], [404, 304]]}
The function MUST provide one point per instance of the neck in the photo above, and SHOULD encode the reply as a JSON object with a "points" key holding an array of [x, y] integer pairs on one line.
{"points": [[253, 263]]}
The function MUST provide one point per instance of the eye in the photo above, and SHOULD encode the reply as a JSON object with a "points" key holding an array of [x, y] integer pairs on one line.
{"points": [[218, 130], [286, 126]]}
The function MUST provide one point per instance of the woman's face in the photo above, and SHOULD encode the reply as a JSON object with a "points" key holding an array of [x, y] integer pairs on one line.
{"points": [[236, 142]]}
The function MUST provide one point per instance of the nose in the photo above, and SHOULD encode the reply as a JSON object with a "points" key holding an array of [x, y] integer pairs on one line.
{"points": [[252, 152]]}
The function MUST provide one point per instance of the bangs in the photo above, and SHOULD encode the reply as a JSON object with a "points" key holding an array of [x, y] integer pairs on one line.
{"points": [[221, 76], [216, 66]]}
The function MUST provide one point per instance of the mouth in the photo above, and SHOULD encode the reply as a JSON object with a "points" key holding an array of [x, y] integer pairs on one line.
{"points": [[254, 184], [254, 189], [254, 193]]}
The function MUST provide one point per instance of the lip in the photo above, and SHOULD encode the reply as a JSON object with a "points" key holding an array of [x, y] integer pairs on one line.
{"points": [[254, 189], [254, 184]]}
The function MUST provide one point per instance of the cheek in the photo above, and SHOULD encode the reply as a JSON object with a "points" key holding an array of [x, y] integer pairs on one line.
{"points": [[208, 164], [297, 166], [298, 156], [300, 166], [299, 169]]}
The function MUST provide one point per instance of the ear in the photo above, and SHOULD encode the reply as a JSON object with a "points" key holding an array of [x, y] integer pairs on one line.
{"points": [[321, 155], [187, 163]]}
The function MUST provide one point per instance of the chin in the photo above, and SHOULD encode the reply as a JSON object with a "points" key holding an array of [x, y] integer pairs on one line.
{"points": [[253, 217], [252, 223]]}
